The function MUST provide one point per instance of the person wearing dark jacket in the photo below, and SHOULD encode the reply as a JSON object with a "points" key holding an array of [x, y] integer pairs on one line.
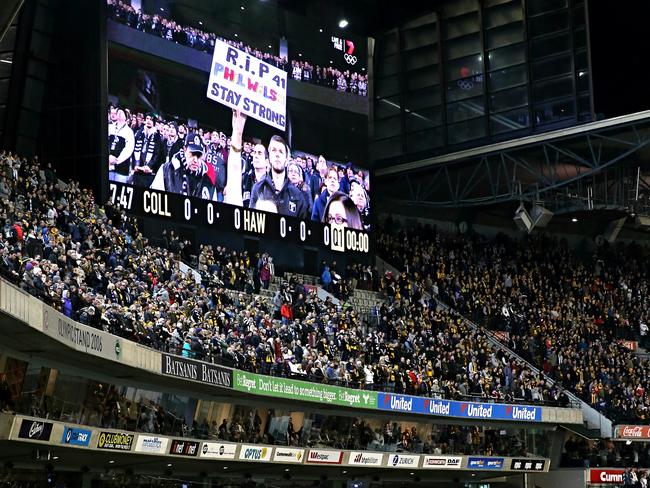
{"points": [[216, 157], [331, 187], [317, 178], [148, 154], [275, 193], [186, 173]]}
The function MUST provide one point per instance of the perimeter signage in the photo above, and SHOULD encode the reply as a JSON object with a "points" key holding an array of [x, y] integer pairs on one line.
{"points": [[606, 476], [35, 430], [442, 462], [632, 431], [303, 391], [115, 441], [451, 408], [206, 373], [485, 463]]}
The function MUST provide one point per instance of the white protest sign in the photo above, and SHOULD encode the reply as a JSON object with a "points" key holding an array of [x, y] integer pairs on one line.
{"points": [[243, 82]]}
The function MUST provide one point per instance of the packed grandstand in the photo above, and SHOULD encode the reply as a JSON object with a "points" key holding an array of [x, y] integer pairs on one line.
{"points": [[565, 315], [430, 333]]}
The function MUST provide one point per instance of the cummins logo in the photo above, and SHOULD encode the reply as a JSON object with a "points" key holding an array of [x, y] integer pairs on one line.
{"points": [[611, 477]]}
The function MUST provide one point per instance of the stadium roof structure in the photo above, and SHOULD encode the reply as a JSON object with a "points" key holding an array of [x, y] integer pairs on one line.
{"points": [[600, 164]]}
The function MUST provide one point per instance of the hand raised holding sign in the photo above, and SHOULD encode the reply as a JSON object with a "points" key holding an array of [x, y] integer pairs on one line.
{"points": [[233, 190], [238, 123]]}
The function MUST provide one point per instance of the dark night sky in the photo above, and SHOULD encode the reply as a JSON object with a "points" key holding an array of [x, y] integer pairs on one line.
{"points": [[620, 42]]}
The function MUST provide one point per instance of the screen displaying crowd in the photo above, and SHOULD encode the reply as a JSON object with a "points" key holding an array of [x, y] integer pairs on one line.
{"points": [[196, 38], [148, 151]]}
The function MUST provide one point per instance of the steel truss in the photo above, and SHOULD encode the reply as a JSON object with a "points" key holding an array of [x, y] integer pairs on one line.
{"points": [[550, 165]]}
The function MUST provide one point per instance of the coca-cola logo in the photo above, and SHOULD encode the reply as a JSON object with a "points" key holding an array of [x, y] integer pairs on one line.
{"points": [[634, 431]]}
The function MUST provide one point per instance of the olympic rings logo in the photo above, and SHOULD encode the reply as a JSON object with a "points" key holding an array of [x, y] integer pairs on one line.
{"points": [[350, 59]]}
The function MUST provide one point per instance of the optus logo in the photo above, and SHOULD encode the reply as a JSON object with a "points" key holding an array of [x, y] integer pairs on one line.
{"points": [[256, 454]]}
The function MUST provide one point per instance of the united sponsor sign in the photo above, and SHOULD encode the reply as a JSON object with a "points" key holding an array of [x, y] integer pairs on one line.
{"points": [[255, 453], [151, 444], [359, 458], [403, 461], [319, 456], [115, 441], [606, 476], [451, 408], [442, 462], [218, 450], [288, 455]]}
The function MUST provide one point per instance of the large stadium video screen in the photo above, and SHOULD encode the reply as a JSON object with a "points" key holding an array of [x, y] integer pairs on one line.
{"points": [[214, 122]]}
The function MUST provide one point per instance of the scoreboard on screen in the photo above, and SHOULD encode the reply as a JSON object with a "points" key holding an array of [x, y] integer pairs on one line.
{"points": [[195, 211]]}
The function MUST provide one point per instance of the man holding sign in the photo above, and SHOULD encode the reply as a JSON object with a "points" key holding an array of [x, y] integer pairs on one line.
{"points": [[249, 85], [274, 193]]}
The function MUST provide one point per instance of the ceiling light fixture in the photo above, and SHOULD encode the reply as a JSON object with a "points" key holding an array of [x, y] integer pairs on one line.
{"points": [[343, 23]]}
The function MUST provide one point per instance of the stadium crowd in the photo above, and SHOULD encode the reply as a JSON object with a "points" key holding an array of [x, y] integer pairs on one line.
{"points": [[95, 266], [570, 314], [196, 38]]}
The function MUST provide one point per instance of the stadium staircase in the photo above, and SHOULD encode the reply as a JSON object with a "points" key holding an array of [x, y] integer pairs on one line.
{"points": [[596, 425]]}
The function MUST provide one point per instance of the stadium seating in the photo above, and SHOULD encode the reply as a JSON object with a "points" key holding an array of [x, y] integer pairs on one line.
{"points": [[94, 265]]}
